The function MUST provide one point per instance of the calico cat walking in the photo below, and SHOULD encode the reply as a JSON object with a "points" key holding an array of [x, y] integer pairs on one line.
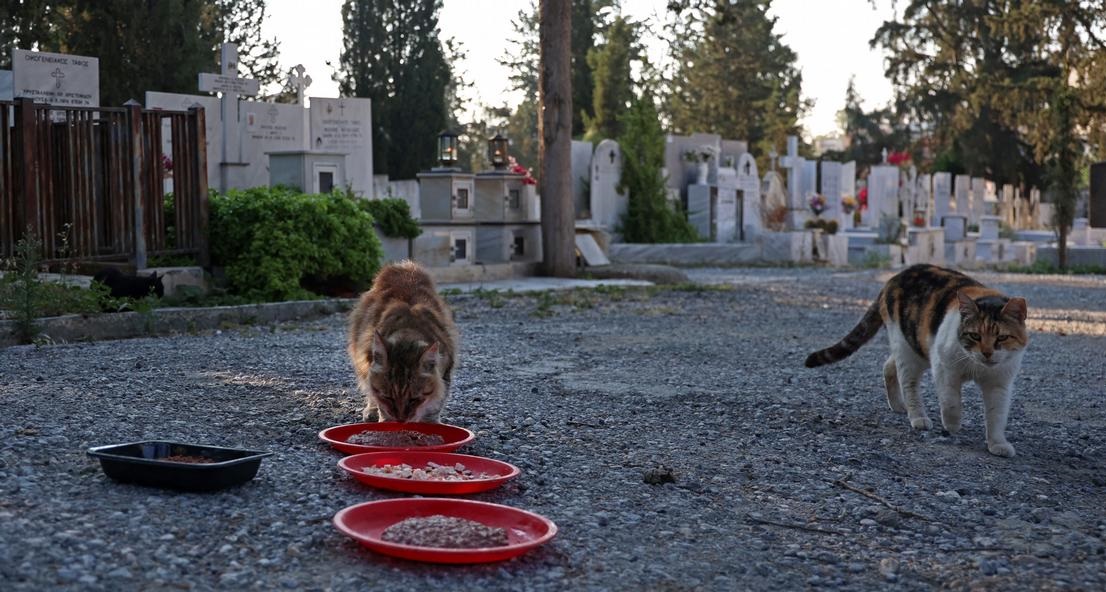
{"points": [[403, 345], [945, 320]]}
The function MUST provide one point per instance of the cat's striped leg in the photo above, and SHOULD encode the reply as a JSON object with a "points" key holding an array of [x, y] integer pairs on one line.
{"points": [[891, 382], [910, 374]]}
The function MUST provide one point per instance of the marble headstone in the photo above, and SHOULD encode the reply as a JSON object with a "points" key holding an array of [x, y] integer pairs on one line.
{"points": [[942, 196], [345, 125], [581, 173], [56, 78], [962, 191], [883, 195], [608, 205], [748, 187], [979, 208], [263, 128]]}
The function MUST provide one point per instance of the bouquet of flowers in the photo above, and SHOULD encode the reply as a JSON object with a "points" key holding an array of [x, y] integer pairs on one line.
{"points": [[899, 159], [518, 169], [862, 198], [848, 204], [701, 154], [818, 204]]}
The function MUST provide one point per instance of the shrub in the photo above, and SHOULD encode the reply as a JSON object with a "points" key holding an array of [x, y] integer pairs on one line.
{"points": [[648, 218], [828, 226], [268, 239], [393, 217]]}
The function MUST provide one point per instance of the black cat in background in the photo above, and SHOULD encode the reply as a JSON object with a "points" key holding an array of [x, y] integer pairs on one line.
{"points": [[130, 286]]}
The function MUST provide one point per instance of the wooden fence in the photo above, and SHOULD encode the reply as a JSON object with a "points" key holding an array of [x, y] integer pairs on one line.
{"points": [[89, 182]]}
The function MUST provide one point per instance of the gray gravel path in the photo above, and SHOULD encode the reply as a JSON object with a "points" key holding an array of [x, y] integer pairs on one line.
{"points": [[587, 394]]}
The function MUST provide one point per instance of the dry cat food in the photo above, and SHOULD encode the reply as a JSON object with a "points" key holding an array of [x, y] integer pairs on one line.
{"points": [[444, 532], [431, 472], [188, 459], [397, 438]]}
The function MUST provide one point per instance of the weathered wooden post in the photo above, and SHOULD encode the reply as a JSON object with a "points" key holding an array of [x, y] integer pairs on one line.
{"points": [[28, 143], [134, 131], [198, 139]]}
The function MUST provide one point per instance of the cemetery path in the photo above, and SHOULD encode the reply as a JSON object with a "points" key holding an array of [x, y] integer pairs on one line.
{"points": [[785, 478]]}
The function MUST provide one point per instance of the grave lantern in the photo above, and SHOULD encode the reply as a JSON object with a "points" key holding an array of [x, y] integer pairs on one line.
{"points": [[497, 151], [447, 148]]}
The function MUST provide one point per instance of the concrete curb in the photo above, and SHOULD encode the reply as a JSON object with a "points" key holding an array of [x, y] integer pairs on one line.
{"points": [[163, 321]]}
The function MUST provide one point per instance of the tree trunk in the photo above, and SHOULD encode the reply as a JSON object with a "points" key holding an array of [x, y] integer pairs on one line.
{"points": [[1062, 248], [555, 130]]}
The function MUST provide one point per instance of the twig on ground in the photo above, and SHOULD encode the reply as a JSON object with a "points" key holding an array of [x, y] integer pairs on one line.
{"points": [[843, 482], [794, 526]]}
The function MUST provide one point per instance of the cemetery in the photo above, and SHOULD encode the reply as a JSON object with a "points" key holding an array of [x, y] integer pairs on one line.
{"points": [[332, 299]]}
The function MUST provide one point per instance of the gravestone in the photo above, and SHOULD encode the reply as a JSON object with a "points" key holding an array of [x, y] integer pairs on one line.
{"points": [[831, 189], [773, 199], [213, 126], [923, 196], [1035, 209], [942, 197], [748, 187], [726, 222], [962, 190], [848, 188], [6, 85], [979, 207], [883, 195], [231, 87], [608, 205], [56, 78], [795, 165], [581, 177], [263, 128], [681, 172], [1096, 202], [345, 125], [908, 193]]}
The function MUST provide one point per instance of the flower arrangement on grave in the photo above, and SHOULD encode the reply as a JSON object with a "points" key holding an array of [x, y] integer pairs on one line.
{"points": [[167, 163], [827, 226], [701, 154], [919, 218], [862, 199], [899, 159], [848, 204], [818, 204], [518, 169]]}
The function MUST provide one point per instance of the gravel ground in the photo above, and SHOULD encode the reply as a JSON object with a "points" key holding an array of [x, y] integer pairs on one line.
{"points": [[592, 395]]}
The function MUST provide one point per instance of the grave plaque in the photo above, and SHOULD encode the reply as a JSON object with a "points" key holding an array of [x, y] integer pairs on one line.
{"points": [[345, 125], [263, 128], [942, 197], [883, 195], [55, 78]]}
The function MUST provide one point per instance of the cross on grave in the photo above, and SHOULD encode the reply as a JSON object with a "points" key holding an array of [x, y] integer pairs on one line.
{"points": [[58, 75], [228, 83], [300, 81], [772, 155], [792, 162], [883, 155]]}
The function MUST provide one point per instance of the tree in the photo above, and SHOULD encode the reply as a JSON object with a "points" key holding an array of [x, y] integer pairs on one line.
{"points": [[392, 54], [27, 25], [613, 85], [555, 101], [734, 75], [258, 58], [869, 132], [1062, 176], [1005, 85], [129, 40], [648, 217]]}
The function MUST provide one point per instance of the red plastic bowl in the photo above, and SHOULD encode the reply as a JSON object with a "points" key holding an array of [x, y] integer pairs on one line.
{"points": [[501, 472], [455, 437], [365, 523]]}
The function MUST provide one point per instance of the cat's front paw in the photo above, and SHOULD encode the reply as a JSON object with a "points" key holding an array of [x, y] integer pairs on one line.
{"points": [[1004, 449], [921, 423]]}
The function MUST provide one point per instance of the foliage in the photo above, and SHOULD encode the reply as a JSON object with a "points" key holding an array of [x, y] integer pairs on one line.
{"points": [[393, 54], [648, 218], [985, 78], [270, 238], [1061, 176], [393, 216], [734, 75], [613, 89], [827, 226], [868, 132], [129, 38]]}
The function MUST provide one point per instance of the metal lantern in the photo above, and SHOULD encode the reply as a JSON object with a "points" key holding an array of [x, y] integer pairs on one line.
{"points": [[447, 148], [497, 151]]}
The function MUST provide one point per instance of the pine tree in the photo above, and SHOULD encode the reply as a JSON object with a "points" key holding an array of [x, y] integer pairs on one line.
{"points": [[393, 55], [734, 75], [26, 25], [613, 81], [258, 58], [648, 217]]}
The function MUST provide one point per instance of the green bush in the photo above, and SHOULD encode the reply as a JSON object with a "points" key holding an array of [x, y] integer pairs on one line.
{"points": [[648, 218], [393, 216], [268, 239]]}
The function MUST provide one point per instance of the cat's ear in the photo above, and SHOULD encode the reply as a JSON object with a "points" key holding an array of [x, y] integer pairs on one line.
{"points": [[379, 351], [1017, 308], [429, 360], [968, 306]]}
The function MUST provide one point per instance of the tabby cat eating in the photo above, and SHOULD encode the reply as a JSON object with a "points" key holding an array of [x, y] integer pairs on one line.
{"points": [[403, 345], [942, 319]]}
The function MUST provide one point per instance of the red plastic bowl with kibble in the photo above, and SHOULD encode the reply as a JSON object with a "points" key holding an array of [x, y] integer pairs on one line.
{"points": [[455, 437], [498, 472], [366, 522]]}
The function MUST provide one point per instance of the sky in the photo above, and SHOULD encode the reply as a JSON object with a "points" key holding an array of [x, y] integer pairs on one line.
{"points": [[830, 38]]}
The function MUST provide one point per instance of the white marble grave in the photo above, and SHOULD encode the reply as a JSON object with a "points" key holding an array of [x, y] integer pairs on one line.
{"points": [[608, 205], [345, 125]]}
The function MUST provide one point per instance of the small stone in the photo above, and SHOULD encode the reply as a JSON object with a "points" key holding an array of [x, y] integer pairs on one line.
{"points": [[868, 522]]}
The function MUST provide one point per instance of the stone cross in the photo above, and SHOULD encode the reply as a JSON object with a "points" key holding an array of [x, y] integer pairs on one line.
{"points": [[883, 155], [228, 83], [57, 74], [772, 155], [793, 163], [299, 81]]}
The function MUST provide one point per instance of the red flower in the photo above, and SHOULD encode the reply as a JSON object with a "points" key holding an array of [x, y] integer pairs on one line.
{"points": [[862, 198], [518, 169], [898, 158]]}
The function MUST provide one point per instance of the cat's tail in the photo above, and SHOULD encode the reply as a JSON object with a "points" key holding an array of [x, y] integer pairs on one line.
{"points": [[863, 331]]}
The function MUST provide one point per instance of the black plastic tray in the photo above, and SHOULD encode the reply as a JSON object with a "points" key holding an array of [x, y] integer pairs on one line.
{"points": [[140, 463]]}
